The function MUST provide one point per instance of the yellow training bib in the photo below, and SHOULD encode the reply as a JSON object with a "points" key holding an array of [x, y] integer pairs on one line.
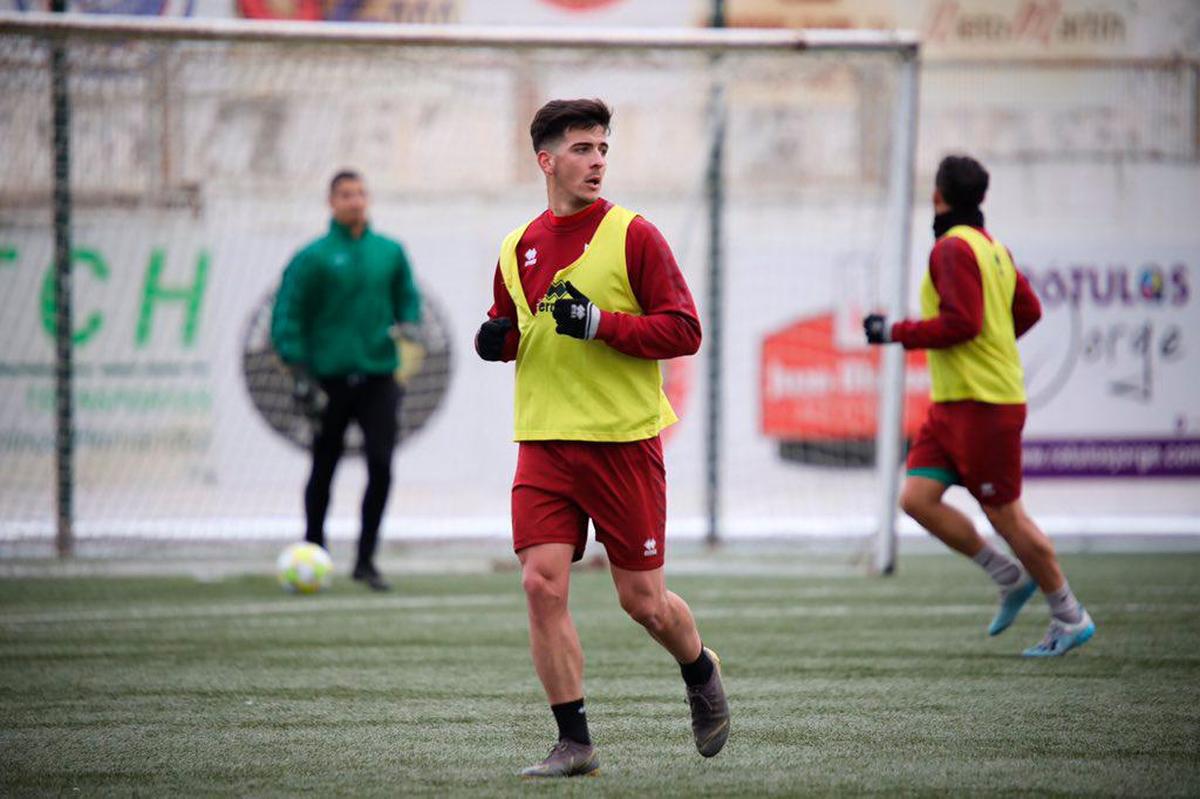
{"points": [[568, 389], [988, 367]]}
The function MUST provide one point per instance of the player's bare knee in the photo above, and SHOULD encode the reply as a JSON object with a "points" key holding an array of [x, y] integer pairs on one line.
{"points": [[646, 609], [543, 591], [1006, 520]]}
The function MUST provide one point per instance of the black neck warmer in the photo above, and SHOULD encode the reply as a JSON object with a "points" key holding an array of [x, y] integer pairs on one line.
{"points": [[956, 216]]}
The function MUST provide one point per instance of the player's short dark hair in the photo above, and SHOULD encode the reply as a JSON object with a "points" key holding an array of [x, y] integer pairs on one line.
{"points": [[343, 174], [962, 181], [556, 117]]}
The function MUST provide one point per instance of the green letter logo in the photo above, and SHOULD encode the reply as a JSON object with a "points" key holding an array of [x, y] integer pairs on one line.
{"points": [[153, 291], [95, 320]]}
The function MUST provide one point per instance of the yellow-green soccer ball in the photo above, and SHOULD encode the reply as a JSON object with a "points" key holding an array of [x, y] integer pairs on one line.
{"points": [[304, 568]]}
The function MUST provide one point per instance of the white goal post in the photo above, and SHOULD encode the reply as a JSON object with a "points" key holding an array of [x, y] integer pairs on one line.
{"points": [[199, 149]]}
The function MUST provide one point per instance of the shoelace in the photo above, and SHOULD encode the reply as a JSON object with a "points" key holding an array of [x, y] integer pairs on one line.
{"points": [[696, 695], [1051, 640]]}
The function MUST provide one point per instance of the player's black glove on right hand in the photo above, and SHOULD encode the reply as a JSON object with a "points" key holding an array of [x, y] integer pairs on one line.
{"points": [[577, 317], [489, 341], [877, 329]]}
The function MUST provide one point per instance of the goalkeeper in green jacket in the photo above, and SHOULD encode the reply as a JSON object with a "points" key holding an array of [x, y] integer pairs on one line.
{"points": [[340, 298]]}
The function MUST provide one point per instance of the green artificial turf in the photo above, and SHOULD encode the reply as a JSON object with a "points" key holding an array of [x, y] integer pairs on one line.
{"points": [[839, 685]]}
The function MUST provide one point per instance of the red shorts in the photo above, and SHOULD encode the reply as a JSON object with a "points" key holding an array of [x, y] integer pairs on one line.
{"points": [[621, 487], [973, 444]]}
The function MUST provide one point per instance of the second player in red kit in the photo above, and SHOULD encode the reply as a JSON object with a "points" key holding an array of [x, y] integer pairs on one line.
{"points": [[975, 304]]}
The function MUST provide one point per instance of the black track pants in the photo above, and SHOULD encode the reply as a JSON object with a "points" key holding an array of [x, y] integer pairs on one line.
{"points": [[373, 402]]}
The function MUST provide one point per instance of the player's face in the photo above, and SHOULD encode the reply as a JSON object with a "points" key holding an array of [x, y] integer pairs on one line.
{"points": [[348, 199], [939, 205], [576, 166]]}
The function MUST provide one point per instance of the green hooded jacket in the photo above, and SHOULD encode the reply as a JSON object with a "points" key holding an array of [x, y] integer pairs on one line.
{"points": [[338, 301]]}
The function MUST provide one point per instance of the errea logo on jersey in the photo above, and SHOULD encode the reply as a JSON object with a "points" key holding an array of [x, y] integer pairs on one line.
{"points": [[531, 257], [651, 548]]}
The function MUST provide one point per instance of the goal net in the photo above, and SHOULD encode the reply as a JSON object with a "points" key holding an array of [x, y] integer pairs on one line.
{"points": [[200, 157]]}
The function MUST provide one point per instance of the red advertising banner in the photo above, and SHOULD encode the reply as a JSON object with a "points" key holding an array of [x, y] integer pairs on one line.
{"points": [[812, 390]]}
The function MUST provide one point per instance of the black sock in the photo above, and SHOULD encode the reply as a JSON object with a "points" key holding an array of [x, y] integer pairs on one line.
{"points": [[698, 671], [572, 721]]}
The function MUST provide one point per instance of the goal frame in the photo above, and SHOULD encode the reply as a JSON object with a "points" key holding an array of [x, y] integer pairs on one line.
{"points": [[57, 28]]}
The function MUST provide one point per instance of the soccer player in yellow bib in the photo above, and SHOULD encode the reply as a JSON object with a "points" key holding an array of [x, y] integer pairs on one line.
{"points": [[587, 299], [974, 307]]}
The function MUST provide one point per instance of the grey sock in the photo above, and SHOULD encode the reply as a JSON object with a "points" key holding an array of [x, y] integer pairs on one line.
{"points": [[1000, 567], [1064, 606]]}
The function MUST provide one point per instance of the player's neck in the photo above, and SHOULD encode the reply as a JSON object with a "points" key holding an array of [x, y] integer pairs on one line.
{"points": [[354, 230], [954, 217], [567, 205]]}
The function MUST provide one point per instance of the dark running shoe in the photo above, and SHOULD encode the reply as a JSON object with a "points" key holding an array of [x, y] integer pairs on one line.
{"points": [[371, 577], [710, 711], [567, 759]]}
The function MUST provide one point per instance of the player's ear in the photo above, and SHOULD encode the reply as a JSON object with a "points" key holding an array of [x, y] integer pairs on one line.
{"points": [[546, 162]]}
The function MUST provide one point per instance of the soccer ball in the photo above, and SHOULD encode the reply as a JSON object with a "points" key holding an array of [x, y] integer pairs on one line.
{"points": [[304, 568]]}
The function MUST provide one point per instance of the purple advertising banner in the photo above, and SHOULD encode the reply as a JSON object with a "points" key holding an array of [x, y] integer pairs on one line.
{"points": [[1116, 457]]}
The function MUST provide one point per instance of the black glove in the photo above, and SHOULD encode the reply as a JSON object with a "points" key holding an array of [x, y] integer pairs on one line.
{"points": [[307, 396], [877, 329], [576, 317], [489, 341]]}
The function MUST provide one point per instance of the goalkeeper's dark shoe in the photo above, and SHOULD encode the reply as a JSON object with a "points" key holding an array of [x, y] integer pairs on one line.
{"points": [[568, 758], [371, 577], [710, 711]]}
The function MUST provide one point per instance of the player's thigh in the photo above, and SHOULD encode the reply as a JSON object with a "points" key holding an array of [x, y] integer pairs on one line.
{"points": [[546, 570], [544, 511], [623, 488], [930, 456], [919, 492], [640, 592], [1008, 519], [330, 433], [377, 414]]}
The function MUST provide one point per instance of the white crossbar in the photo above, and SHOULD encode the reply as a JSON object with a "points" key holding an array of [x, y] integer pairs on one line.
{"points": [[701, 39]]}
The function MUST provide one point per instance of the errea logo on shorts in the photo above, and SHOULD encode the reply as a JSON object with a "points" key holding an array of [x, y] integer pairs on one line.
{"points": [[651, 548], [988, 490]]}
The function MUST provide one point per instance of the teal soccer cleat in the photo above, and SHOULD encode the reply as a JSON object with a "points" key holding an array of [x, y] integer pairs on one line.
{"points": [[1062, 638], [1011, 602]]}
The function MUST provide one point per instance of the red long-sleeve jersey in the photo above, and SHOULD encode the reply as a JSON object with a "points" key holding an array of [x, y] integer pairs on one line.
{"points": [[955, 275], [669, 326]]}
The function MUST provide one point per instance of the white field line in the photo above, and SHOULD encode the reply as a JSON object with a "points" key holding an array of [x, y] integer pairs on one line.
{"points": [[895, 610], [827, 611], [291, 605], [309, 605]]}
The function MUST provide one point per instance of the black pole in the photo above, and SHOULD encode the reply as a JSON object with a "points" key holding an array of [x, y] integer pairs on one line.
{"points": [[64, 443], [715, 191]]}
